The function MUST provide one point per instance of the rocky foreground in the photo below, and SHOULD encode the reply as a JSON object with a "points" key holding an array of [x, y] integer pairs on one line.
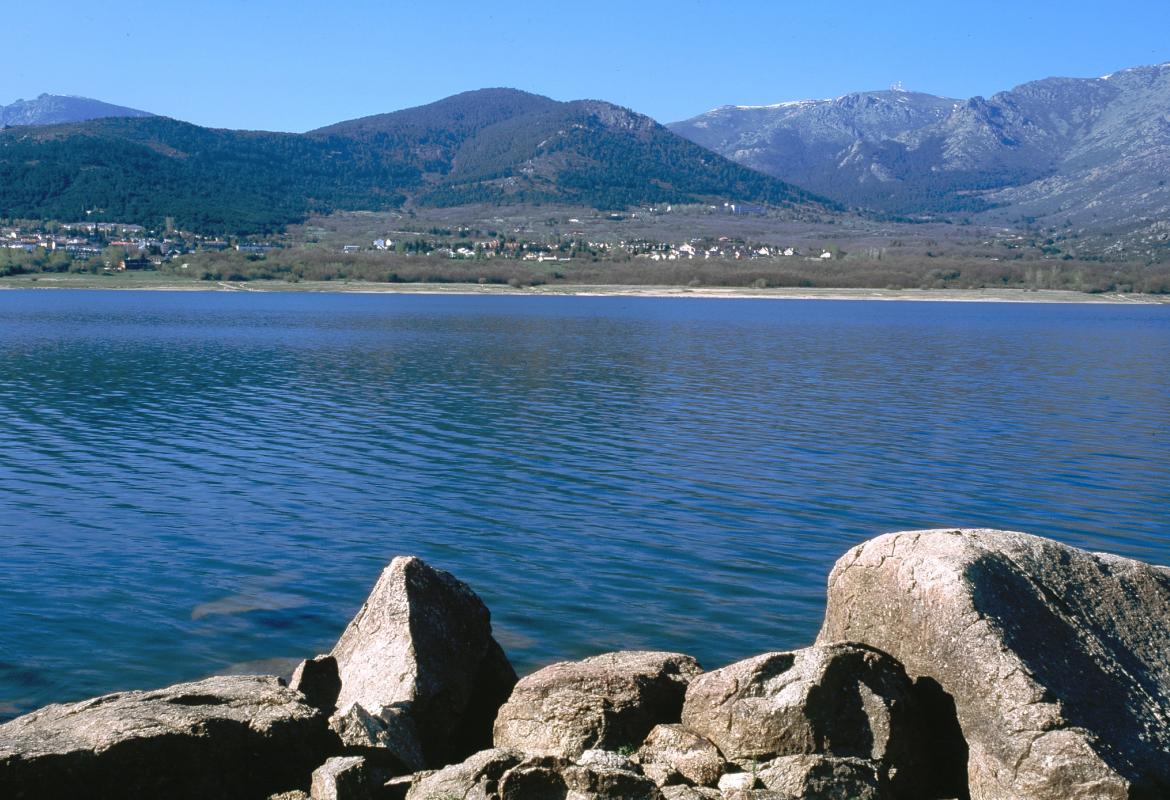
{"points": [[951, 664]]}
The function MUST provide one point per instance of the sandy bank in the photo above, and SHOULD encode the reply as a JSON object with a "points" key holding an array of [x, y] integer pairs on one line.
{"points": [[147, 282]]}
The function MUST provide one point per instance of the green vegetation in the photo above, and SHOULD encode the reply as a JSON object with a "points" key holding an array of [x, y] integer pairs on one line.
{"points": [[910, 272], [497, 146], [148, 170], [18, 262]]}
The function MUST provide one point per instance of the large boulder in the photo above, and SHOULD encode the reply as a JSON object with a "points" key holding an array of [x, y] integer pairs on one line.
{"points": [[1057, 661], [423, 642], [840, 700], [228, 737], [605, 702]]}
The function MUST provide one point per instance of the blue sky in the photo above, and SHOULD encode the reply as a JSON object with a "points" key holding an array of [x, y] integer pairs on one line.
{"points": [[296, 65]]}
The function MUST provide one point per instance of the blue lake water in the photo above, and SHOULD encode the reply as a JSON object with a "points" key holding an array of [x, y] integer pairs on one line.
{"points": [[189, 481]]}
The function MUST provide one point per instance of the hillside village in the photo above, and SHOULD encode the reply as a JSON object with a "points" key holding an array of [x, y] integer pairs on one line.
{"points": [[116, 247], [569, 246], [103, 246]]}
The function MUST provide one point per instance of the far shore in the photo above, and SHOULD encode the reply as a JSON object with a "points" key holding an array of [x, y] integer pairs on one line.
{"points": [[149, 282]]}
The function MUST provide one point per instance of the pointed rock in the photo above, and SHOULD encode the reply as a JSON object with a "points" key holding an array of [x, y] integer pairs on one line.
{"points": [[423, 643]]}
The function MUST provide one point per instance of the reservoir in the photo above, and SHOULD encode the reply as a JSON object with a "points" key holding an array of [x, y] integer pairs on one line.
{"points": [[195, 482]]}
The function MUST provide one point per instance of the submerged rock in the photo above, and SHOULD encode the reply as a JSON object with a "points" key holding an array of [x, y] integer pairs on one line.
{"points": [[607, 702], [1057, 660], [839, 700], [423, 643], [226, 737]]}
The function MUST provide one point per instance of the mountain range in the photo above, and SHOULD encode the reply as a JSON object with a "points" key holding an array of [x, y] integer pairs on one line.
{"points": [[487, 146], [54, 109], [1077, 153], [1081, 151]]}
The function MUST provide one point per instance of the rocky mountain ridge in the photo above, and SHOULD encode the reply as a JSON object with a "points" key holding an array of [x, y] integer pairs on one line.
{"points": [[495, 146], [1069, 150], [54, 109]]}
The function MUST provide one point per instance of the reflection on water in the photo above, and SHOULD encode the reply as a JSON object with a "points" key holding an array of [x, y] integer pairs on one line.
{"points": [[190, 481]]}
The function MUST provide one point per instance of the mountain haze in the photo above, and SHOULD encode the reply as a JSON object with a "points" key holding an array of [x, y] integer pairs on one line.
{"points": [[54, 109], [1092, 151], [494, 145]]}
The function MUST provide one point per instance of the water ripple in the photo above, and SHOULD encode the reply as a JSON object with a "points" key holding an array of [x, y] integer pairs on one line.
{"points": [[190, 482]]}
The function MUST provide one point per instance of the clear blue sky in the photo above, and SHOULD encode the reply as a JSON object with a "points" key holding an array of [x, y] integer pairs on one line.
{"points": [[296, 65]]}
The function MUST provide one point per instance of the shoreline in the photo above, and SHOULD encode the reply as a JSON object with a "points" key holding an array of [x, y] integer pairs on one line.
{"points": [[889, 701], [1005, 295]]}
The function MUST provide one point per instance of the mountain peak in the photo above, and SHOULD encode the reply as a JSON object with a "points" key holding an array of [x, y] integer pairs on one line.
{"points": [[472, 110], [1046, 147], [55, 109]]}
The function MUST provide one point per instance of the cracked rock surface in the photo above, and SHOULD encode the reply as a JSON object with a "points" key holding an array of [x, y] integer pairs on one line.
{"points": [[422, 643], [228, 737], [608, 701], [1057, 660], [840, 700]]}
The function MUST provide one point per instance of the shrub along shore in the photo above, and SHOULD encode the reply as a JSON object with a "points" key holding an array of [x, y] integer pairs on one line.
{"points": [[951, 664], [910, 271]]}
